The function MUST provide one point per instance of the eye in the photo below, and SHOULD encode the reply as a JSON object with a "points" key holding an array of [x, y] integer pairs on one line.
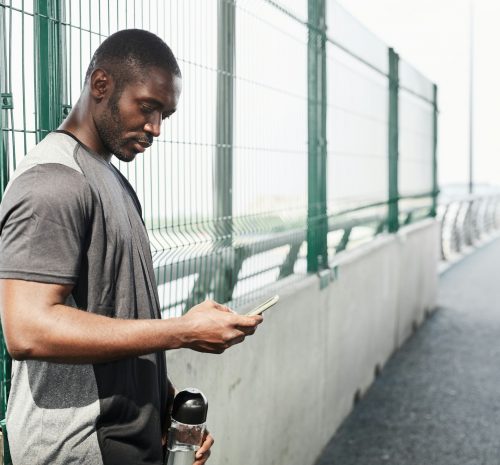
{"points": [[146, 108]]}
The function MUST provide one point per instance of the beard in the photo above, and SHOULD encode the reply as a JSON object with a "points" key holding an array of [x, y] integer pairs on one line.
{"points": [[110, 129]]}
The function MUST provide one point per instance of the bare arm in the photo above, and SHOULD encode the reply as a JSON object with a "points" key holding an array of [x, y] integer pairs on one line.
{"points": [[37, 325]]}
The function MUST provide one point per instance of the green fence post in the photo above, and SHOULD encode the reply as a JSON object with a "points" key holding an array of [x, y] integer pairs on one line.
{"points": [[49, 74], [5, 361], [5, 105], [4, 158], [5, 95], [317, 220], [223, 279], [393, 214], [435, 186]]}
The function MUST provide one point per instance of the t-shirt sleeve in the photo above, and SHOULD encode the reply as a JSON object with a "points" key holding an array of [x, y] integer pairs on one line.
{"points": [[44, 218]]}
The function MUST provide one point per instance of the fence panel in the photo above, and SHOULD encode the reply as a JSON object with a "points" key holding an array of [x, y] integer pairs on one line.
{"points": [[270, 144], [357, 135], [416, 144]]}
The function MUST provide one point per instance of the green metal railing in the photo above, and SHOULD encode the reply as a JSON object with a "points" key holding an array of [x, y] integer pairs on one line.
{"points": [[293, 140]]}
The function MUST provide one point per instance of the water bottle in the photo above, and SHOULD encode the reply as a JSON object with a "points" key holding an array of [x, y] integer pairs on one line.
{"points": [[185, 436]]}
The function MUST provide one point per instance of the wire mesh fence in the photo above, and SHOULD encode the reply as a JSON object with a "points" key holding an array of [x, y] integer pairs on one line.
{"points": [[416, 143], [358, 110], [279, 155]]}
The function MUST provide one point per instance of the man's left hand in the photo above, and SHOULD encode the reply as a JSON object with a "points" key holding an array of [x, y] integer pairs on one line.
{"points": [[203, 453]]}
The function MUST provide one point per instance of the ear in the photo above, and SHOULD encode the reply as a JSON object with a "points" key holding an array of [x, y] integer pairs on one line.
{"points": [[100, 84]]}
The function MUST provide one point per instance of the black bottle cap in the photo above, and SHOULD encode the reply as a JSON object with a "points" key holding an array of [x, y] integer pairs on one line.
{"points": [[190, 407]]}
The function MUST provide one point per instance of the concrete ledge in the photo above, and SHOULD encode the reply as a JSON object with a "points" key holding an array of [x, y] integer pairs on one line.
{"points": [[279, 397]]}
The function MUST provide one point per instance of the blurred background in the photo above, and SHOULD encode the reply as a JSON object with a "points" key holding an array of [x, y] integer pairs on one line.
{"points": [[453, 42]]}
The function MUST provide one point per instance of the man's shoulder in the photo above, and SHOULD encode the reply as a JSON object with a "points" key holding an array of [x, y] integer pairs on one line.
{"points": [[56, 148], [47, 186], [50, 164], [49, 177]]}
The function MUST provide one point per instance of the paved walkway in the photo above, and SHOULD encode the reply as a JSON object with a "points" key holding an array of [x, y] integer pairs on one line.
{"points": [[437, 401]]}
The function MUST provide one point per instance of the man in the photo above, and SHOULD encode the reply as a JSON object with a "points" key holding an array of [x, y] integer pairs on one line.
{"points": [[90, 386]]}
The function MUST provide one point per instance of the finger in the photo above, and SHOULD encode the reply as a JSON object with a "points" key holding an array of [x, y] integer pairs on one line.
{"points": [[248, 331], [208, 349], [236, 340], [249, 322], [205, 447], [203, 459], [200, 459]]}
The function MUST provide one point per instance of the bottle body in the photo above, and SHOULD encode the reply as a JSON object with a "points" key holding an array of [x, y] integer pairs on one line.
{"points": [[181, 458], [183, 442]]}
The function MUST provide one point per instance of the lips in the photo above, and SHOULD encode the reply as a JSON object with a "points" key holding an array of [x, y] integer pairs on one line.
{"points": [[140, 145], [144, 143]]}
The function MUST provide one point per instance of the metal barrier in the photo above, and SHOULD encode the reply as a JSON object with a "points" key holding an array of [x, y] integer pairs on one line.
{"points": [[299, 134], [466, 221]]}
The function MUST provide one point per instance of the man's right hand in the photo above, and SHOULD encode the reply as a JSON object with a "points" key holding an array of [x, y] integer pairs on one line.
{"points": [[212, 327], [38, 325]]}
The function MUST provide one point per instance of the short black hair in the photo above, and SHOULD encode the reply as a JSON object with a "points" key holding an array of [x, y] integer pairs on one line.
{"points": [[126, 53]]}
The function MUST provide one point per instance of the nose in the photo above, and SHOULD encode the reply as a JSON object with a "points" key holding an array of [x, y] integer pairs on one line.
{"points": [[153, 126]]}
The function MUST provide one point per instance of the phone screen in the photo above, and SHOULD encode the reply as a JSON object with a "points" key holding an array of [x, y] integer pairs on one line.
{"points": [[264, 306]]}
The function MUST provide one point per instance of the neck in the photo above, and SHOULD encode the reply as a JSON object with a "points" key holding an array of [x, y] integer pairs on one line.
{"points": [[81, 124]]}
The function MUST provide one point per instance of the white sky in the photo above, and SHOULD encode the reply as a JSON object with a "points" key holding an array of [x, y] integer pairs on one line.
{"points": [[433, 35]]}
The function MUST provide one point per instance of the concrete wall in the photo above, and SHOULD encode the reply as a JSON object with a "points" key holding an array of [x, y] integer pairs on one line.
{"points": [[279, 397]]}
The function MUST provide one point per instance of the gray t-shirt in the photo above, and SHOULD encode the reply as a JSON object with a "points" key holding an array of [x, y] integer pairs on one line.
{"points": [[70, 217]]}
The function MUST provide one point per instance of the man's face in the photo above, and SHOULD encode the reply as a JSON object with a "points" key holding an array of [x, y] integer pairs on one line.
{"points": [[131, 118]]}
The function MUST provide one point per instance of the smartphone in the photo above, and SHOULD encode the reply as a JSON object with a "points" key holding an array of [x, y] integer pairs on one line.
{"points": [[260, 309]]}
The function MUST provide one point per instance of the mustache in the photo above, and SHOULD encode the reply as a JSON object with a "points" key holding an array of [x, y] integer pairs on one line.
{"points": [[146, 139]]}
